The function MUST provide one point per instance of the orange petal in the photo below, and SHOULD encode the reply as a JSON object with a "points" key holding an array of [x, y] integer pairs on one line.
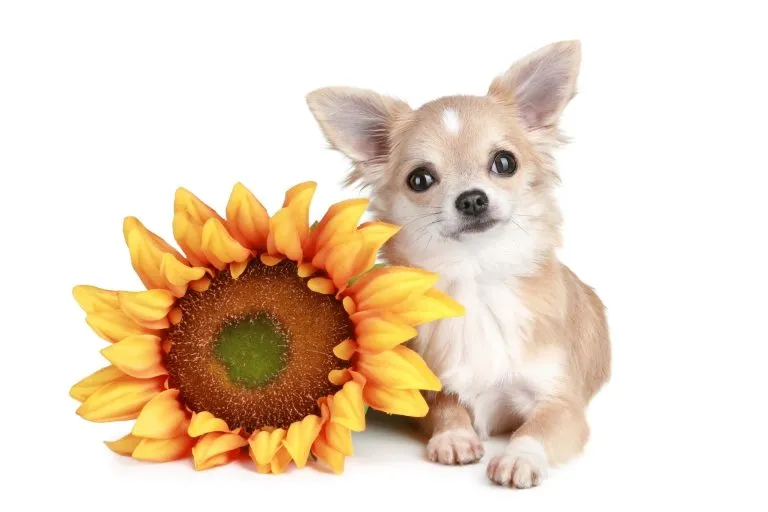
{"points": [[115, 325], [147, 249], [381, 330], [149, 308], [400, 368], [347, 408], [340, 220], [163, 417], [306, 270], [326, 453], [201, 285], [345, 349], [430, 306], [297, 200], [340, 262], [263, 445], [219, 247], [349, 305], [125, 445], [95, 300], [339, 437], [321, 285], [139, 356], [97, 380], [179, 275], [120, 400], [204, 423], [284, 236], [387, 286], [175, 316], [299, 439], [247, 219], [403, 402], [198, 211], [164, 450], [217, 448]]}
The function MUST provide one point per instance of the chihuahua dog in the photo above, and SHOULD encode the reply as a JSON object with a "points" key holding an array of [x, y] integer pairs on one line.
{"points": [[470, 180]]}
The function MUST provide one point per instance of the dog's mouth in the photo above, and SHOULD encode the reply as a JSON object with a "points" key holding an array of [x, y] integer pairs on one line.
{"points": [[478, 226]]}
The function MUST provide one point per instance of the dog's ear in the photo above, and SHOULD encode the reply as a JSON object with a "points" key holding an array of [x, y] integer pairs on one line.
{"points": [[357, 122], [541, 84]]}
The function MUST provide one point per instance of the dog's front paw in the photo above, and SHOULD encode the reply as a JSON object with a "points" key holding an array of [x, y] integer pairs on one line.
{"points": [[522, 465], [458, 446]]}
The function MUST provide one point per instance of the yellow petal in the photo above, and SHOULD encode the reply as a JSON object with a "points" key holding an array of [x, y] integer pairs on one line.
{"points": [[179, 275], [340, 262], [270, 261], [189, 235], [297, 201], [339, 437], [115, 325], [339, 377], [147, 249], [149, 308], [326, 453], [204, 423], [306, 270], [247, 219], [349, 305], [381, 330], [280, 461], [321, 285], [139, 356], [430, 306], [125, 445], [95, 300], [403, 402], [237, 269], [217, 448], [175, 316], [374, 236], [201, 285], [164, 450], [400, 368], [345, 349], [198, 211], [339, 221], [163, 417], [387, 286], [219, 247], [97, 380], [347, 408], [120, 400], [284, 236], [299, 439], [263, 445]]}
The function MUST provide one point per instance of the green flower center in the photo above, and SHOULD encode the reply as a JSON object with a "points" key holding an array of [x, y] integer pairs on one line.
{"points": [[254, 350]]}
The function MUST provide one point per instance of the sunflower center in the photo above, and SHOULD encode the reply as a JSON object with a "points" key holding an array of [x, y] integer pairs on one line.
{"points": [[254, 350]]}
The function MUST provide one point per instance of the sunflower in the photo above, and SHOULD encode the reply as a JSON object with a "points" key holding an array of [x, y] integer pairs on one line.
{"points": [[263, 336]]}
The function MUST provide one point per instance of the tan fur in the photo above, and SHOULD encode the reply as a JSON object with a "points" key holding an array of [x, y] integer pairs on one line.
{"points": [[562, 325]]}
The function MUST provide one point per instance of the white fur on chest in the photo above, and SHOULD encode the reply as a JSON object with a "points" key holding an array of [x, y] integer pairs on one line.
{"points": [[484, 357]]}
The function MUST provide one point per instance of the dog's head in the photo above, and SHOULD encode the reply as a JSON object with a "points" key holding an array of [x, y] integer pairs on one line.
{"points": [[460, 172]]}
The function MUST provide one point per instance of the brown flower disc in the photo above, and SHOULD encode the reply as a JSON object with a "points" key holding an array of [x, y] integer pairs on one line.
{"points": [[310, 324]]}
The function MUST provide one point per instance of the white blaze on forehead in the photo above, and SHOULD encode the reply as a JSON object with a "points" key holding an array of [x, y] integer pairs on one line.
{"points": [[451, 121]]}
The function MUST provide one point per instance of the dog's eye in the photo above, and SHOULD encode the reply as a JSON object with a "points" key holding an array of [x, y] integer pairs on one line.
{"points": [[504, 163], [420, 179]]}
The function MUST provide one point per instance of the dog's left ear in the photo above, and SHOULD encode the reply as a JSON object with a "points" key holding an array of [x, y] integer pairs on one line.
{"points": [[541, 84]]}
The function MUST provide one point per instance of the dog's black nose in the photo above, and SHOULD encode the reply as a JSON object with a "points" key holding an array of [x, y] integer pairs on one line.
{"points": [[472, 203]]}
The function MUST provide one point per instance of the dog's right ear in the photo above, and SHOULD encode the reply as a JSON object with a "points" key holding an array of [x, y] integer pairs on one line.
{"points": [[357, 122]]}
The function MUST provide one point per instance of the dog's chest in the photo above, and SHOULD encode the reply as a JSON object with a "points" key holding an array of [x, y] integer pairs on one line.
{"points": [[483, 349]]}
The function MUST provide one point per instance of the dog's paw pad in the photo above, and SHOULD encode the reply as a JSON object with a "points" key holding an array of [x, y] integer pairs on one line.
{"points": [[523, 465], [457, 446]]}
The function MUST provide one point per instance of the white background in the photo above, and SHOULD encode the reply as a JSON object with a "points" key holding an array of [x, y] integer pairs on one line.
{"points": [[107, 107]]}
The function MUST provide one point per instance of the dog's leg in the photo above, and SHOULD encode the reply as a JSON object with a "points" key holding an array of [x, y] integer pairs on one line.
{"points": [[552, 435], [453, 440]]}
